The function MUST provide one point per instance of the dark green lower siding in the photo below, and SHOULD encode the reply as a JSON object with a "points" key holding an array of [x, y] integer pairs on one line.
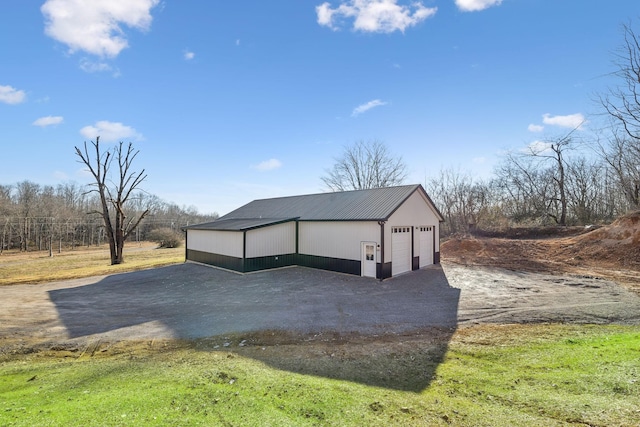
{"points": [[332, 264], [222, 261], [268, 262], [384, 270], [264, 263]]}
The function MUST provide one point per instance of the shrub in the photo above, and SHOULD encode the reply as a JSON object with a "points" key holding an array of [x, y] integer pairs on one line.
{"points": [[166, 237]]}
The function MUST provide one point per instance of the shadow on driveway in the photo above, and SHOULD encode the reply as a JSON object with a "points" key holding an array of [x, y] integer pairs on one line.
{"points": [[190, 301]]}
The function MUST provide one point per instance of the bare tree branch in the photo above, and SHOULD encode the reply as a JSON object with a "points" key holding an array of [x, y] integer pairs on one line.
{"points": [[365, 165]]}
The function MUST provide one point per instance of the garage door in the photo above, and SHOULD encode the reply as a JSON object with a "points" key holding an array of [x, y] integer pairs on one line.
{"points": [[400, 250], [426, 245]]}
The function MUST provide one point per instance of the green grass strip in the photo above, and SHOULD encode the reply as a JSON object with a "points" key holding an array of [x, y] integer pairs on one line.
{"points": [[549, 375]]}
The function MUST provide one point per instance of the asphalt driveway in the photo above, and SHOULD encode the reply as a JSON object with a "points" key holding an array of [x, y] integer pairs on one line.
{"points": [[191, 301]]}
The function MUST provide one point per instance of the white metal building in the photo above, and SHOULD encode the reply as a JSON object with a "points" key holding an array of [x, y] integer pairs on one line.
{"points": [[377, 233]]}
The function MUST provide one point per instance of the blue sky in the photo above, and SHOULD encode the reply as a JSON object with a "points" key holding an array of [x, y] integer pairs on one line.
{"points": [[233, 101]]}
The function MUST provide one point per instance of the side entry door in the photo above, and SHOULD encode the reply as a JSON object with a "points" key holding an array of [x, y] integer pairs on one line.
{"points": [[369, 259]]}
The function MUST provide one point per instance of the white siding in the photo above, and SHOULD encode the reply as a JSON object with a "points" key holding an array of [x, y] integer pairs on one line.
{"points": [[277, 239], [216, 242], [337, 239], [415, 211]]}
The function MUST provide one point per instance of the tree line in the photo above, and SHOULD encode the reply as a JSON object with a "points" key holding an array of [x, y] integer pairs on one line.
{"points": [[572, 179], [45, 217], [567, 180]]}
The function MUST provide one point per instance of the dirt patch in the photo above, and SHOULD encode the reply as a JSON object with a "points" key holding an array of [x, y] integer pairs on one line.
{"points": [[611, 252]]}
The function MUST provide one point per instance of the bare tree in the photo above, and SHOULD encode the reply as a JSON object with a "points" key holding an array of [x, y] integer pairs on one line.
{"points": [[554, 151], [464, 201], [6, 210], [363, 165], [622, 102], [586, 189], [622, 155], [114, 195], [541, 171], [527, 188], [27, 197]]}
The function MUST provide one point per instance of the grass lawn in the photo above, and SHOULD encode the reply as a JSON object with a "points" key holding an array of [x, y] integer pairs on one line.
{"points": [[38, 266], [524, 375]]}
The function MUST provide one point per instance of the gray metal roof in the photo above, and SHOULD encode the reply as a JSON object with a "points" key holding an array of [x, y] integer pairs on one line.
{"points": [[238, 224], [360, 205]]}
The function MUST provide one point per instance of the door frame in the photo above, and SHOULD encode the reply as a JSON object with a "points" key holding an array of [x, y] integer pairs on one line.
{"points": [[364, 262]]}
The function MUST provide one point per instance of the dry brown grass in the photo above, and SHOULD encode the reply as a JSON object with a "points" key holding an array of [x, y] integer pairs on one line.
{"points": [[39, 267]]}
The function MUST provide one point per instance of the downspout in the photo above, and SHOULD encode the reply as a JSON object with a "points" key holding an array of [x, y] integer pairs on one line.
{"points": [[381, 272], [244, 248], [297, 236]]}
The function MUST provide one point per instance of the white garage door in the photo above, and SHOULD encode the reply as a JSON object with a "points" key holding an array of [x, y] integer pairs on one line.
{"points": [[400, 250], [426, 245]]}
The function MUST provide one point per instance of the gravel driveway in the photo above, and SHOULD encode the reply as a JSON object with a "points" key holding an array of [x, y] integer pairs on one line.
{"points": [[191, 300]]}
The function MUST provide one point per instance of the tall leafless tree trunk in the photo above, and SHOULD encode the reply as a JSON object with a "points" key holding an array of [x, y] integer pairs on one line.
{"points": [[114, 198], [554, 151]]}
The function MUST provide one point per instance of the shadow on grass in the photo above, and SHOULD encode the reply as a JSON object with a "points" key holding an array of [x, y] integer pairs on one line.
{"points": [[356, 329], [406, 361]]}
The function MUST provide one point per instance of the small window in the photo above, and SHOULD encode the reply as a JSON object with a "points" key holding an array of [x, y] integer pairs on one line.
{"points": [[369, 253]]}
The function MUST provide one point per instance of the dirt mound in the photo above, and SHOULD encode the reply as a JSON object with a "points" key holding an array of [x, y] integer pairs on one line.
{"points": [[616, 245], [623, 231], [611, 251]]}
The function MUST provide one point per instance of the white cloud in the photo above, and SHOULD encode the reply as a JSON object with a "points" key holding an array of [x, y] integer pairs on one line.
{"points": [[476, 5], [188, 56], [535, 128], [573, 121], [268, 165], [366, 107], [376, 16], [90, 66], [110, 131], [11, 95], [48, 121], [95, 26]]}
